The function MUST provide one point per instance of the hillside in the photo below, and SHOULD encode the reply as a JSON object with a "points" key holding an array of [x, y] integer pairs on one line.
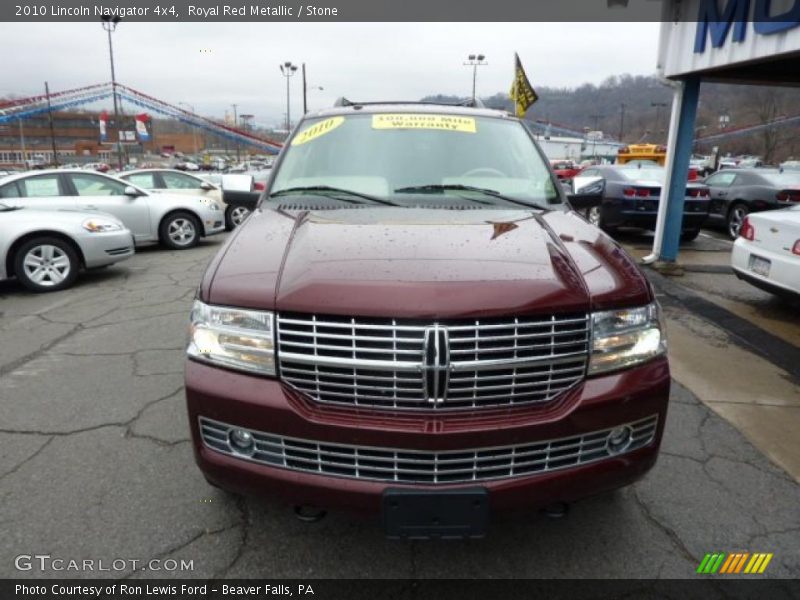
{"points": [[641, 105]]}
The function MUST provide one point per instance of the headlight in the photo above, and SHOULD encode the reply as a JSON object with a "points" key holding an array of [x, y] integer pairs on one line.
{"points": [[624, 338], [96, 225], [232, 337]]}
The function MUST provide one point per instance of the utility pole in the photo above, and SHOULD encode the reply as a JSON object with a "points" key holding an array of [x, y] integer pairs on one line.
{"points": [[658, 106], [475, 61], [236, 126], [52, 128], [305, 91], [22, 143], [621, 121], [109, 24]]}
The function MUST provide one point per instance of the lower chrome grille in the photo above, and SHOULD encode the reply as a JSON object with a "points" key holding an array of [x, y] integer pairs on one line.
{"points": [[394, 364], [414, 466]]}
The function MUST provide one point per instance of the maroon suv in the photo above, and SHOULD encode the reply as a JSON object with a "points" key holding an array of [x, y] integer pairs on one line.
{"points": [[414, 323]]}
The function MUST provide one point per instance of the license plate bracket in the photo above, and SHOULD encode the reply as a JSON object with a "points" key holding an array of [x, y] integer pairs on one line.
{"points": [[425, 514]]}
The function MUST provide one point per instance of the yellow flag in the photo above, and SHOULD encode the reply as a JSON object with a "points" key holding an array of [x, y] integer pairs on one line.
{"points": [[522, 93]]}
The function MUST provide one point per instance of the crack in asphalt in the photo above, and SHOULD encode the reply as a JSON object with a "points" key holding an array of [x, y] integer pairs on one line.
{"points": [[245, 523], [25, 461], [674, 538]]}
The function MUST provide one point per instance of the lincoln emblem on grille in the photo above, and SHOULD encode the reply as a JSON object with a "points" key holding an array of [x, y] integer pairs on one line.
{"points": [[436, 363]]}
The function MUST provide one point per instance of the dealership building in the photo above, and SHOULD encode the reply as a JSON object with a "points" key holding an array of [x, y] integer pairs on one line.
{"points": [[749, 42]]}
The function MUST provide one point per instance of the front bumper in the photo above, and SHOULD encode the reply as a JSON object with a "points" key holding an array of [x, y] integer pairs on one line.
{"points": [[267, 405], [213, 221], [106, 248]]}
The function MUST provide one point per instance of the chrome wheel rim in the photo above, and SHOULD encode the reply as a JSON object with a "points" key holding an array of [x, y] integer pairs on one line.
{"points": [[737, 218], [181, 231], [239, 214], [594, 216], [46, 265]]}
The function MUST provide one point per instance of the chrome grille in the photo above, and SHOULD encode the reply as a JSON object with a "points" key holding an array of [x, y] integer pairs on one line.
{"points": [[403, 364], [414, 466]]}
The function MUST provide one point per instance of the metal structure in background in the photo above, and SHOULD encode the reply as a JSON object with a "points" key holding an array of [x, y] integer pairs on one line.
{"points": [[306, 88], [288, 69], [109, 24], [194, 129], [24, 108], [475, 61]]}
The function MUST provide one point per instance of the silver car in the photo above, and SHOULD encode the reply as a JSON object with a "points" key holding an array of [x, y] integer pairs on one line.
{"points": [[173, 181], [45, 249], [175, 220]]}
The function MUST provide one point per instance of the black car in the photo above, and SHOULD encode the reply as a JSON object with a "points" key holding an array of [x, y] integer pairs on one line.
{"points": [[737, 192], [630, 197]]}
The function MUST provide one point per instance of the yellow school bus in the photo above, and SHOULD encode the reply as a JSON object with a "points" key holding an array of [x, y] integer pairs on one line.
{"points": [[654, 152]]}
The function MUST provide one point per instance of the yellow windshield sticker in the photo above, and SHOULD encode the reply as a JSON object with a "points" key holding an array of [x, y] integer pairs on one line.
{"points": [[423, 121], [317, 130]]}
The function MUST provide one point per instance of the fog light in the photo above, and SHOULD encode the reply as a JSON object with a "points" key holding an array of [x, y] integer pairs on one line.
{"points": [[619, 439], [242, 441]]}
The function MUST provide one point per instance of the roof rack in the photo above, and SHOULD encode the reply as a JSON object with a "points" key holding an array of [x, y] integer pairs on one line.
{"points": [[470, 102]]}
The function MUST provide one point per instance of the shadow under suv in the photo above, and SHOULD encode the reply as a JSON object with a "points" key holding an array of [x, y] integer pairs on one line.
{"points": [[414, 323]]}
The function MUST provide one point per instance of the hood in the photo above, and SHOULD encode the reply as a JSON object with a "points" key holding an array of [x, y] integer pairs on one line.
{"points": [[423, 263]]}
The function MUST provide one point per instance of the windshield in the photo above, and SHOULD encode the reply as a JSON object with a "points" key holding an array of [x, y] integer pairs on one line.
{"points": [[644, 174], [409, 158]]}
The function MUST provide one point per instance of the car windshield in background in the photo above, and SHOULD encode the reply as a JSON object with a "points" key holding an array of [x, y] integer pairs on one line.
{"points": [[413, 159], [643, 174], [786, 179]]}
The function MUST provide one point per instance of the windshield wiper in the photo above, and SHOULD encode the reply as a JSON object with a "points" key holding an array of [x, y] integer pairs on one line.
{"points": [[434, 187], [327, 191]]}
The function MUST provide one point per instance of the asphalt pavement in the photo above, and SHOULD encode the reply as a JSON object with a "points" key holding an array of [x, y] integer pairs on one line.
{"points": [[95, 463]]}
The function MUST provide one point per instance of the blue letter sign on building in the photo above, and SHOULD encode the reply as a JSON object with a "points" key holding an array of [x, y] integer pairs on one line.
{"points": [[735, 14]]}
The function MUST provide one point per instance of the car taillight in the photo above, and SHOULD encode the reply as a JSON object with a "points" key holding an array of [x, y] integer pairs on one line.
{"points": [[698, 193], [796, 248], [747, 231], [259, 187], [788, 196], [640, 192]]}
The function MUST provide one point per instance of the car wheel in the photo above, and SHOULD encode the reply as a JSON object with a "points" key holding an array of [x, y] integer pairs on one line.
{"points": [[179, 231], [688, 236], [235, 215], [46, 264], [736, 216]]}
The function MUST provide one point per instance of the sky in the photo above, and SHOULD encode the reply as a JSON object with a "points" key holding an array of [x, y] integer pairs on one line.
{"points": [[213, 65]]}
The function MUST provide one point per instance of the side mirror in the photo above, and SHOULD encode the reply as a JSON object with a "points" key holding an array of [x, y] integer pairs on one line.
{"points": [[132, 192], [206, 186]]}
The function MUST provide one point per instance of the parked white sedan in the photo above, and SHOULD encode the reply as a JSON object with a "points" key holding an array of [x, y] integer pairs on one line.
{"points": [[45, 249], [177, 182], [175, 220], [767, 252]]}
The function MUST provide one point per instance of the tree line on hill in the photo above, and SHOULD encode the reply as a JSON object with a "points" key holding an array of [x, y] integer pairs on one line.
{"points": [[636, 108]]}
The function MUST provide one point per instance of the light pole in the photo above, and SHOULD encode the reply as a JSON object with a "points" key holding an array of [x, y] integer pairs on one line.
{"points": [[109, 24], [475, 61], [194, 129], [288, 69]]}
